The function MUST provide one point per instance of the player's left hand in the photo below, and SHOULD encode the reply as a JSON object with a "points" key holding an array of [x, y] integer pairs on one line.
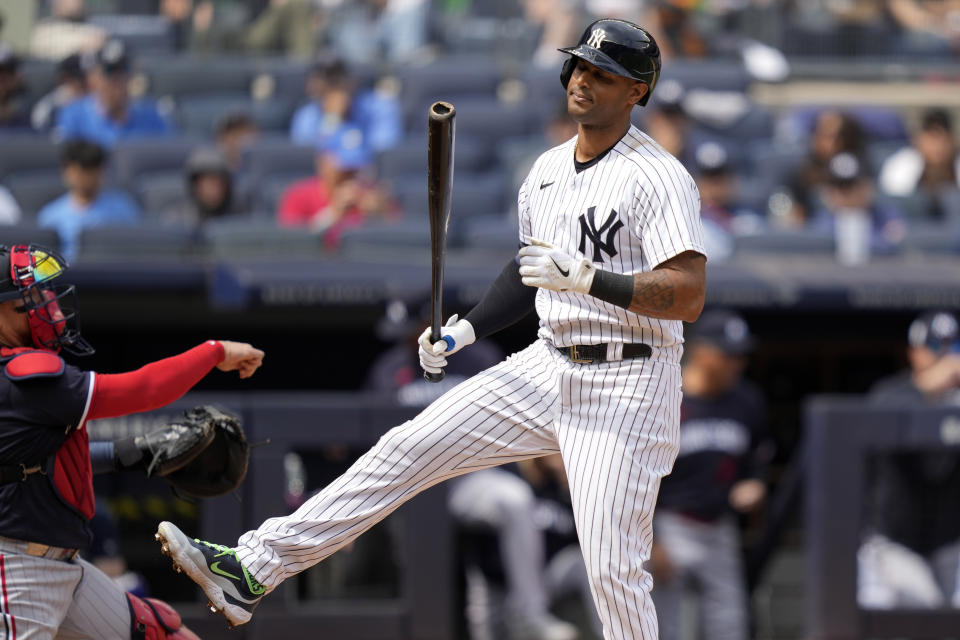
{"points": [[544, 265]]}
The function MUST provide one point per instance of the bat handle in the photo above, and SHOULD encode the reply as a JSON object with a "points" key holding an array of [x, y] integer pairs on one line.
{"points": [[433, 377], [435, 337]]}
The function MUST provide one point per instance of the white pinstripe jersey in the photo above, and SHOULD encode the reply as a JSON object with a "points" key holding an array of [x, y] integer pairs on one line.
{"points": [[630, 211]]}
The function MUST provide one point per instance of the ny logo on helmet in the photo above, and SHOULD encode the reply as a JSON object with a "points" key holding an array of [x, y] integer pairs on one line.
{"points": [[597, 38], [588, 229]]}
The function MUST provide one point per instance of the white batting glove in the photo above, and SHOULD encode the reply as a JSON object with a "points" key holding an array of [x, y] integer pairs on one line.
{"points": [[456, 334], [544, 265]]}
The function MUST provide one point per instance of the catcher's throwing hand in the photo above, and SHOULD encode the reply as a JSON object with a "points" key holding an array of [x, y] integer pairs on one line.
{"points": [[544, 265], [240, 356], [456, 334]]}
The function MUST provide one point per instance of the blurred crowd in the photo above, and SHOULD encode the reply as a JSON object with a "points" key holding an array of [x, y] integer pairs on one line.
{"points": [[314, 121]]}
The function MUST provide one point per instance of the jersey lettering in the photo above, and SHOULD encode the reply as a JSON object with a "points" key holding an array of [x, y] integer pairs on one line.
{"points": [[588, 229]]}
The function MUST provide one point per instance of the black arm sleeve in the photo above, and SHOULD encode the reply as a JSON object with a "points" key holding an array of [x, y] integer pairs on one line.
{"points": [[506, 302]]}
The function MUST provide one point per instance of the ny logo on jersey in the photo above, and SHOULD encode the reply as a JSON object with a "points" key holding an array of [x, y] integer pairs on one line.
{"points": [[597, 38], [588, 229]]}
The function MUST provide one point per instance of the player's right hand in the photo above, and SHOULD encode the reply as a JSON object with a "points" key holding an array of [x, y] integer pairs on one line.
{"points": [[240, 356], [456, 333]]}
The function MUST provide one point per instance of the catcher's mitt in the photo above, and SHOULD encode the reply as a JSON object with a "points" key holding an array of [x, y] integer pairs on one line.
{"points": [[219, 465]]}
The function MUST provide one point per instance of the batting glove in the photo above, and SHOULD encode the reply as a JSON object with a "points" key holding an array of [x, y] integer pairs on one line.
{"points": [[544, 265], [456, 334]]}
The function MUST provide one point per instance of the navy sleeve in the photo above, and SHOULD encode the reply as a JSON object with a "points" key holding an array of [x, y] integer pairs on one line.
{"points": [[60, 402], [505, 303]]}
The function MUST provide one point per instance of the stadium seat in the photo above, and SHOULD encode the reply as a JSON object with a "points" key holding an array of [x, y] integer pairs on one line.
{"points": [[27, 233], [143, 241], [133, 159], [919, 207], [160, 192], [494, 232], [198, 115], [717, 75], [40, 76], [143, 34], [28, 155], [246, 237], [785, 242], [930, 239], [474, 195], [279, 157], [32, 192], [488, 119], [410, 157], [452, 78], [374, 235], [191, 76]]}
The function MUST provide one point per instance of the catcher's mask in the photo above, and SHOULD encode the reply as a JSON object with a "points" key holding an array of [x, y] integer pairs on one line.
{"points": [[27, 272]]}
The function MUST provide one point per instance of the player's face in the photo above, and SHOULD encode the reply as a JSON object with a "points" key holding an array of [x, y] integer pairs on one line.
{"points": [[14, 326], [597, 97]]}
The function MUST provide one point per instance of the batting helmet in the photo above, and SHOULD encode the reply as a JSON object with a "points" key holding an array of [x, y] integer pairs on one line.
{"points": [[619, 47]]}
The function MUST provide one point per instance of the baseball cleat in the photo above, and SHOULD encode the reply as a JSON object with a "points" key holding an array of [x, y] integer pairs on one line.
{"points": [[231, 589]]}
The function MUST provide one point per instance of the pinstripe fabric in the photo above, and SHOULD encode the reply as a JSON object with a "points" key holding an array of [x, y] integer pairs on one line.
{"points": [[651, 208], [52, 599], [99, 609], [616, 424]]}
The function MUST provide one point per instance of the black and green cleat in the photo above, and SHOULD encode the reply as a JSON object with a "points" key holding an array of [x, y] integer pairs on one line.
{"points": [[231, 589]]}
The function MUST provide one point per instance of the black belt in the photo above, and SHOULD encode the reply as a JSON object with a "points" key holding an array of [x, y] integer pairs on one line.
{"points": [[17, 473], [594, 353]]}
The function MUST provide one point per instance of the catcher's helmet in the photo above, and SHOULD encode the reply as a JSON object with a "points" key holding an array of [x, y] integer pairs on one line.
{"points": [[620, 47], [26, 274]]}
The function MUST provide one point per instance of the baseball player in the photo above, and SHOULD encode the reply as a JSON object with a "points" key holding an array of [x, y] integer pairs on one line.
{"points": [[46, 490], [612, 260]]}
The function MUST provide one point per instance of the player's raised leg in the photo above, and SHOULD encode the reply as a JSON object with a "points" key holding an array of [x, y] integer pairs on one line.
{"points": [[618, 438], [503, 414]]}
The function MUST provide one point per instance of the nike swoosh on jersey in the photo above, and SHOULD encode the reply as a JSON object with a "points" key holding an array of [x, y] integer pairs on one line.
{"points": [[544, 185], [562, 272]]}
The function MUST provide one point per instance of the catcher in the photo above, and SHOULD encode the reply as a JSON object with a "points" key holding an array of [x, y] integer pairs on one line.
{"points": [[46, 490]]}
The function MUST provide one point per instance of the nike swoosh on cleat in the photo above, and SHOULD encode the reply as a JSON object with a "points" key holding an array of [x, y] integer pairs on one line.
{"points": [[215, 567], [544, 185], [562, 272]]}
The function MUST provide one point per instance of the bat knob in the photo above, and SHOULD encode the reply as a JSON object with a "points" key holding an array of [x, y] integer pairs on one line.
{"points": [[433, 377]]}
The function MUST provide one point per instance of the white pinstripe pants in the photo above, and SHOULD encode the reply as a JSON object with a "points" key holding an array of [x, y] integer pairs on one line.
{"points": [[615, 424], [43, 599]]}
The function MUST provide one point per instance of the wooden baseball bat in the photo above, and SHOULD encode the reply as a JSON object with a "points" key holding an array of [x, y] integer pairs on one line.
{"points": [[440, 140]]}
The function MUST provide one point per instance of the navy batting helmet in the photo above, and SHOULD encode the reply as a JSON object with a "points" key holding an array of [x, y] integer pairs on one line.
{"points": [[619, 47]]}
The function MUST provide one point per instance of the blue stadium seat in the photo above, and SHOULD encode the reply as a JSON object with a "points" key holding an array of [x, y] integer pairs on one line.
{"points": [[143, 241], [474, 195], [452, 78], [489, 119], [160, 192], [245, 237], [785, 242], [401, 234], [774, 162], [718, 75], [192, 76], [27, 233], [143, 34], [133, 159], [930, 239], [410, 157], [198, 115], [28, 155], [496, 232], [32, 192]]}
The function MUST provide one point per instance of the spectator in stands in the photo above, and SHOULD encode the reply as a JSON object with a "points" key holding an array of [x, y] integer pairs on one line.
{"points": [[912, 539], [371, 31], [13, 111], [9, 209], [667, 122], [850, 195], [337, 103], [929, 27], [86, 204], [71, 85], [931, 164], [498, 505], [673, 24], [108, 114], [210, 191], [207, 26], [65, 32], [717, 475], [288, 27], [558, 23], [834, 132], [723, 217], [236, 132], [342, 195]]}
